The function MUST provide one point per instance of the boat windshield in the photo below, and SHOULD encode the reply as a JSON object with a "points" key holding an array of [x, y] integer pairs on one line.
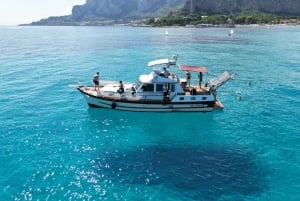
{"points": [[137, 85]]}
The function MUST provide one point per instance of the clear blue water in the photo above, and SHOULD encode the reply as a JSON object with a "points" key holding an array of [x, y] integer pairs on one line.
{"points": [[53, 147]]}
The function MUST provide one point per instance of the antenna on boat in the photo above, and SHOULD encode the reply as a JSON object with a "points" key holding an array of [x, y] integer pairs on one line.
{"points": [[173, 60]]}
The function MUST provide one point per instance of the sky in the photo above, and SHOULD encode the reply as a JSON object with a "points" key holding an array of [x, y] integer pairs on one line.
{"points": [[14, 12]]}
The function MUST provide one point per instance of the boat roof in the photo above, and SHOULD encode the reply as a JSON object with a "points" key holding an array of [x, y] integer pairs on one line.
{"points": [[162, 62], [155, 78], [193, 68], [158, 62]]}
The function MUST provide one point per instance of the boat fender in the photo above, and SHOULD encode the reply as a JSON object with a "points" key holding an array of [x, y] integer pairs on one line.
{"points": [[113, 105]]}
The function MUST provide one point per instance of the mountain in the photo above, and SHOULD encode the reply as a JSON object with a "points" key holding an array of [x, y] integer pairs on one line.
{"points": [[112, 9], [100, 12], [210, 7]]}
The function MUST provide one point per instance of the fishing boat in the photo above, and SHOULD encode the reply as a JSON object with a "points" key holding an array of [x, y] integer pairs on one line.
{"points": [[159, 91]]}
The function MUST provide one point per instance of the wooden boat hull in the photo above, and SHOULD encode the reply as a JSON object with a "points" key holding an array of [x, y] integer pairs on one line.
{"points": [[146, 106]]}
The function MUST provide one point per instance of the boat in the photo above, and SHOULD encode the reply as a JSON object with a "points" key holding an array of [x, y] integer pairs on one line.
{"points": [[160, 90], [166, 33]]}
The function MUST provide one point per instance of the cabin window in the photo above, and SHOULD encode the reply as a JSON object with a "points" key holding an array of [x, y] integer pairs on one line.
{"points": [[204, 98], [159, 87], [148, 87], [181, 98]]}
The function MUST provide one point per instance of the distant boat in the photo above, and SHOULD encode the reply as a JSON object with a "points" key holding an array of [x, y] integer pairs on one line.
{"points": [[231, 32], [166, 33]]}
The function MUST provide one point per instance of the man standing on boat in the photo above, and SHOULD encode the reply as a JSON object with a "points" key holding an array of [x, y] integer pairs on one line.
{"points": [[165, 92], [188, 77], [96, 81], [200, 78]]}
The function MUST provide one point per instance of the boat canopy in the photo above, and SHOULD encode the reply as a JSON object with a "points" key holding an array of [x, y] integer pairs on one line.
{"points": [[158, 62], [162, 62], [154, 78], [193, 68]]}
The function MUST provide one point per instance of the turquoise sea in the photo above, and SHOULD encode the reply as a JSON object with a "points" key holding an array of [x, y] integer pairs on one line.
{"points": [[54, 147]]}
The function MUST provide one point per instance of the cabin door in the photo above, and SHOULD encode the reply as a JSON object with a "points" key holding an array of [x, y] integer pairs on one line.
{"points": [[172, 92]]}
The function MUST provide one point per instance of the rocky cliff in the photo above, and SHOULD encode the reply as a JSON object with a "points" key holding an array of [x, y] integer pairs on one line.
{"points": [[111, 9], [99, 12], [281, 7]]}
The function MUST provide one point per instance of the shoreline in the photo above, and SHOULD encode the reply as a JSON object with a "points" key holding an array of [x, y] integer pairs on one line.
{"points": [[173, 26]]}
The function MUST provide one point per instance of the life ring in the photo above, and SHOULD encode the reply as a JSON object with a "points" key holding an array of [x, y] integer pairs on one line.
{"points": [[113, 105]]}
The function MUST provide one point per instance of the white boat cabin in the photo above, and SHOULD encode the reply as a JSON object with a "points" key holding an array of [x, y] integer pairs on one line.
{"points": [[156, 85]]}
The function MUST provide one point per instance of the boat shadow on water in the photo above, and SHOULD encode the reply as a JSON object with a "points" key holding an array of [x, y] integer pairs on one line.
{"points": [[197, 173], [168, 158]]}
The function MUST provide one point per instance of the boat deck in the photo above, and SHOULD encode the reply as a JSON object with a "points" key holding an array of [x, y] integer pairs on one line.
{"points": [[189, 90], [110, 95]]}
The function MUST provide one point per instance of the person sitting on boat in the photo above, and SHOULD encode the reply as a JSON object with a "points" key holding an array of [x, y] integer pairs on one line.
{"points": [[96, 81], [166, 73], [188, 77], [121, 88], [133, 90]]}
